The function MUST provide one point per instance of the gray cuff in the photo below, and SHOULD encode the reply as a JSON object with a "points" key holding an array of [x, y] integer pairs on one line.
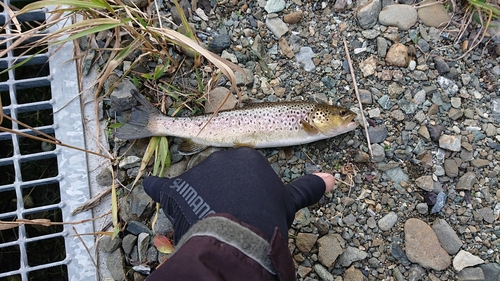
{"points": [[233, 234]]}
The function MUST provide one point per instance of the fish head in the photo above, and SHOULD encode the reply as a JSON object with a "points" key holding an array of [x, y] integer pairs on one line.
{"points": [[333, 120]]}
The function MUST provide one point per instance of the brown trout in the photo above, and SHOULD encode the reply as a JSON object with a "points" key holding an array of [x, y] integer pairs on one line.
{"points": [[259, 125]]}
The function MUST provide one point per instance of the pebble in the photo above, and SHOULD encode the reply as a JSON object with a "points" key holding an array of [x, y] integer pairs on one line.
{"points": [[115, 263], [397, 252], [367, 14], [216, 97], [128, 243], [447, 237], [388, 221], [293, 18], [471, 274], [425, 182], [108, 245], [465, 259], [399, 15], [433, 15], [304, 57], [129, 162], [220, 43], [377, 134], [416, 272], [422, 246], [491, 271], [353, 274], [350, 255], [330, 247], [422, 208], [448, 86], [142, 245], [137, 227], [305, 241], [487, 214], [276, 25], [440, 202], [450, 142], [274, 6], [466, 181], [397, 55], [323, 273], [378, 153]]}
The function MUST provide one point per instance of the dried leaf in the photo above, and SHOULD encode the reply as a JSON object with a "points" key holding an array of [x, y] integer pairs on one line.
{"points": [[7, 225], [163, 244]]}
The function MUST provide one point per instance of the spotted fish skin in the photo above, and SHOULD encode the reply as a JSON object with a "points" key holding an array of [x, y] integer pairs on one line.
{"points": [[260, 125]]}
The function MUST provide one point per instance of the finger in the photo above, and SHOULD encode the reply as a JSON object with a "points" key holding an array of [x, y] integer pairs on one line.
{"points": [[328, 179], [152, 186]]}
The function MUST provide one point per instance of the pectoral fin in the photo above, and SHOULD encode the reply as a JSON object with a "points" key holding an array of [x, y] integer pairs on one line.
{"points": [[189, 147], [310, 129]]}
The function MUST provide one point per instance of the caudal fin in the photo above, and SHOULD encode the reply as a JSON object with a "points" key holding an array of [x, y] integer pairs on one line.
{"points": [[137, 127]]}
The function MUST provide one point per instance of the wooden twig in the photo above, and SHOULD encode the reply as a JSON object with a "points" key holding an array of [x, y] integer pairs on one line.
{"points": [[351, 68]]}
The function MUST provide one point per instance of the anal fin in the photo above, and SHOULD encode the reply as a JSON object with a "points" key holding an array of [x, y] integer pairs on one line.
{"points": [[242, 144], [310, 129], [189, 147]]}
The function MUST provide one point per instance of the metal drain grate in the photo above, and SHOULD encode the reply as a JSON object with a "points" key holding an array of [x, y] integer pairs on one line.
{"points": [[38, 180]]}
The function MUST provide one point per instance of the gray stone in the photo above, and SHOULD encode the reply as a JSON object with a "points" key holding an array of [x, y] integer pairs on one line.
{"points": [[128, 243], [244, 79], [397, 175], [142, 245], [136, 227], [274, 6], [450, 142], [471, 274], [351, 255], [451, 168], [448, 86], [381, 47], [491, 271], [422, 246], [416, 273], [467, 181], [487, 214], [302, 217], [152, 255], [407, 106], [330, 247], [115, 263], [388, 221], [163, 225], [139, 201], [447, 237], [323, 273], [401, 16], [220, 43], [108, 245], [397, 252], [440, 202], [465, 259], [367, 14], [121, 97], [129, 162], [276, 25], [378, 153], [422, 208], [304, 57], [104, 178], [377, 134]]}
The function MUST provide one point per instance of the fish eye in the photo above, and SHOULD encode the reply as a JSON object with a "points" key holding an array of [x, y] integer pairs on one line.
{"points": [[342, 112]]}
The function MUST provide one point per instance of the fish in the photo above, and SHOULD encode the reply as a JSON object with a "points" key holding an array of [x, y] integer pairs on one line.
{"points": [[259, 125]]}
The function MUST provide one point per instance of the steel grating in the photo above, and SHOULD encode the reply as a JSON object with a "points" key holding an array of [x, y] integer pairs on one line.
{"points": [[39, 180]]}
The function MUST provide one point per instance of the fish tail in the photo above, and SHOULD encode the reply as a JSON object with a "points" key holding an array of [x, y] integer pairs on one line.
{"points": [[137, 127]]}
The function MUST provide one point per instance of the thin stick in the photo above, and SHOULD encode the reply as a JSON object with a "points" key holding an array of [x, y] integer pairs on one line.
{"points": [[351, 68]]}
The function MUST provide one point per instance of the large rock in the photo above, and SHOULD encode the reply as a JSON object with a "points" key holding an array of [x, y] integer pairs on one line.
{"points": [[422, 246], [305, 241], [433, 13], [447, 237], [399, 15], [368, 13], [330, 247], [465, 259], [351, 255]]}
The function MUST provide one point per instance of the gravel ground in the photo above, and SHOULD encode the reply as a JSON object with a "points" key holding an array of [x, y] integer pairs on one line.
{"points": [[424, 203]]}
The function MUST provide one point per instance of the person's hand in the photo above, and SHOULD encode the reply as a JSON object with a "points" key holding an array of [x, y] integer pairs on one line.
{"points": [[239, 182]]}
